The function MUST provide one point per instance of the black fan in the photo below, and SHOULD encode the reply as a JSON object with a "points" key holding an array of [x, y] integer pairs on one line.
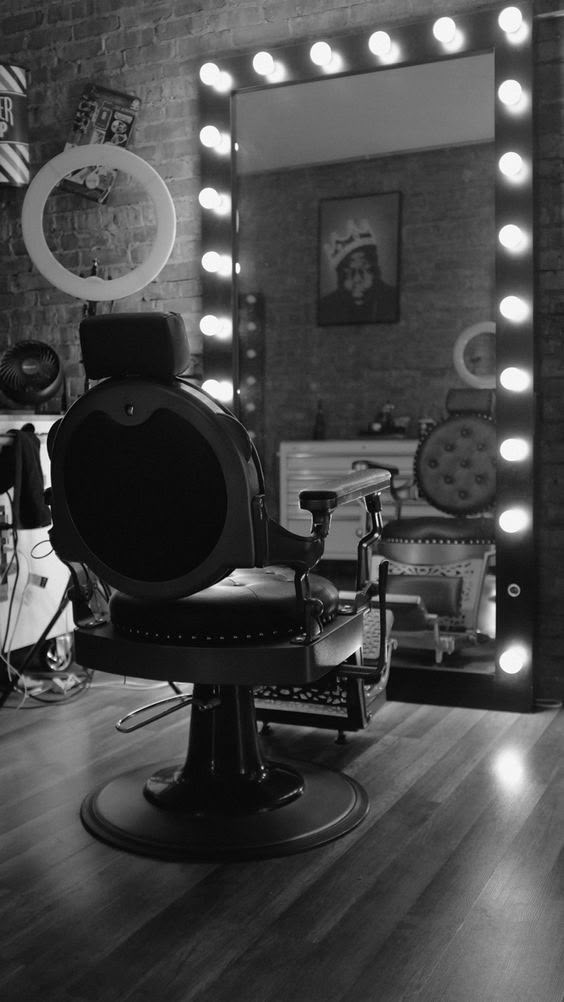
{"points": [[30, 372]]}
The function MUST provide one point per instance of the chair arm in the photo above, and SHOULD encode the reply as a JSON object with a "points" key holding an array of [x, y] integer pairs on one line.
{"points": [[353, 487]]}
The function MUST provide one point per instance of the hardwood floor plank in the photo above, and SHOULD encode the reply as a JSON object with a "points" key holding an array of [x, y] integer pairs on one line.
{"points": [[456, 874]]}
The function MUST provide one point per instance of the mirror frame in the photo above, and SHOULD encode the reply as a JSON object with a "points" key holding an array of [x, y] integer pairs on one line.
{"points": [[512, 684]]}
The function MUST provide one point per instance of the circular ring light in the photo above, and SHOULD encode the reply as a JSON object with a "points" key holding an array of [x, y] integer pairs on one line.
{"points": [[478, 372], [93, 288]]}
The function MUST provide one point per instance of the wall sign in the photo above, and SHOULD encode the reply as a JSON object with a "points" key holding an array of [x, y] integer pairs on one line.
{"points": [[14, 149], [102, 116]]}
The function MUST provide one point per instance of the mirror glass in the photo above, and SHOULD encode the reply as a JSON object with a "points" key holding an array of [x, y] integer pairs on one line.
{"points": [[419, 159], [347, 146]]}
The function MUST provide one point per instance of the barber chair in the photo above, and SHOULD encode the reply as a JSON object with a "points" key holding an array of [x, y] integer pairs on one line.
{"points": [[157, 489], [440, 583]]}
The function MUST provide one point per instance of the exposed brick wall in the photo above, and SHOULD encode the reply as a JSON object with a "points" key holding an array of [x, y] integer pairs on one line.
{"points": [[153, 49], [447, 241]]}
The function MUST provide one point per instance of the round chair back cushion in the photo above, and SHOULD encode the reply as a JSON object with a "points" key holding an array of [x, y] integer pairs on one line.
{"points": [[455, 465]]}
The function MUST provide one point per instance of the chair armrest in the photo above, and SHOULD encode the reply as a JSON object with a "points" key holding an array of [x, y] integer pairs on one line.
{"points": [[352, 487]]}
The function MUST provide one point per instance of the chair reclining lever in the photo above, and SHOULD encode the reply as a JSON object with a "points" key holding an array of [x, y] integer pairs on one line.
{"points": [[180, 701]]}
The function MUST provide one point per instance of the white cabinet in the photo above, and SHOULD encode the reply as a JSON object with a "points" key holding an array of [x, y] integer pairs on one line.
{"points": [[32, 585], [305, 464]]}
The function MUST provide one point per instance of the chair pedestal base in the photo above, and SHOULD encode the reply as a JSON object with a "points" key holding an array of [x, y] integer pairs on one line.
{"points": [[226, 802], [329, 806]]}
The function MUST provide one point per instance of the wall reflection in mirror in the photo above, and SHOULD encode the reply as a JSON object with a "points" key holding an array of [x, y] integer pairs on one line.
{"points": [[318, 163]]}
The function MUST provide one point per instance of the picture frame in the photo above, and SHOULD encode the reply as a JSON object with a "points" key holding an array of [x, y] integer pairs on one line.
{"points": [[358, 259], [102, 116]]}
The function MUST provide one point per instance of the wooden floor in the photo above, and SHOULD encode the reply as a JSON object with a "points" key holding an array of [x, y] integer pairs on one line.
{"points": [[452, 889]]}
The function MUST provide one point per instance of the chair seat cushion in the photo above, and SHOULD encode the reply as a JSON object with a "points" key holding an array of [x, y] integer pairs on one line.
{"points": [[440, 529], [253, 604]]}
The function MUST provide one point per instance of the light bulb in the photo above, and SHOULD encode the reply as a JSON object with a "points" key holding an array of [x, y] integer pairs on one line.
{"points": [[210, 136], [321, 53], [511, 236], [514, 450], [225, 265], [511, 164], [380, 43], [209, 325], [514, 308], [263, 64], [224, 82], [510, 92], [513, 659], [444, 30], [510, 20], [211, 261], [513, 520], [208, 198], [514, 379], [209, 74], [220, 389]]}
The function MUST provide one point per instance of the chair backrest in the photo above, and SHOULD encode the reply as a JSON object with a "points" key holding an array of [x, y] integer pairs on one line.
{"points": [[154, 483], [455, 464]]}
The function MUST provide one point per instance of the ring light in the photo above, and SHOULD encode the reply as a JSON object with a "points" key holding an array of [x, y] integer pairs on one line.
{"points": [[484, 380], [94, 288]]}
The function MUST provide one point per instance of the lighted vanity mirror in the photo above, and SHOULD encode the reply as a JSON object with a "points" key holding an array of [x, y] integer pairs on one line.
{"points": [[426, 122]]}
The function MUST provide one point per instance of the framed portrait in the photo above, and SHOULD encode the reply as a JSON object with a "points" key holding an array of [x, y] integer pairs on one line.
{"points": [[358, 259]]}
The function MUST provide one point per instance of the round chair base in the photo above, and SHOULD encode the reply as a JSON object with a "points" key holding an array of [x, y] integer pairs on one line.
{"points": [[330, 806]]}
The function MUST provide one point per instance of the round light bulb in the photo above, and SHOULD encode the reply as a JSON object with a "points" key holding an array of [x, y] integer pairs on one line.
{"points": [[211, 261], [224, 82], [208, 198], [444, 30], [321, 53], [219, 389], [513, 659], [511, 164], [225, 328], [511, 236], [209, 325], [223, 205], [210, 136], [514, 308], [513, 520], [514, 450], [263, 64], [514, 379], [510, 92], [380, 43], [209, 74], [510, 20], [225, 265]]}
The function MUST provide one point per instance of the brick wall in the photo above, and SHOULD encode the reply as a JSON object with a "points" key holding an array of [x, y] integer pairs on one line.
{"points": [[447, 240], [153, 50]]}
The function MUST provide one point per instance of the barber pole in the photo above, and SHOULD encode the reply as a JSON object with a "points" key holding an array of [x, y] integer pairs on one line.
{"points": [[14, 149]]}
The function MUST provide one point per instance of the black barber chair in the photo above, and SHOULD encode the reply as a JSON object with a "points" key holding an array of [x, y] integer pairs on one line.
{"points": [[440, 583], [157, 489]]}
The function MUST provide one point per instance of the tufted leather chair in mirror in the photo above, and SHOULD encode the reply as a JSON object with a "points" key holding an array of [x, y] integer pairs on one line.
{"points": [[438, 565], [158, 490]]}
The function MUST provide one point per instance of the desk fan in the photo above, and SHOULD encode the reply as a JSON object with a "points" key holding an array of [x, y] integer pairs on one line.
{"points": [[30, 373]]}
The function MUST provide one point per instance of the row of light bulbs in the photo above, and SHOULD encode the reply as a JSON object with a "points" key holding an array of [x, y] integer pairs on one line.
{"points": [[511, 236]]}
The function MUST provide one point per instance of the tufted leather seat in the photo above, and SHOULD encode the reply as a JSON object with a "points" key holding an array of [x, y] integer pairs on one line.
{"points": [[254, 604]]}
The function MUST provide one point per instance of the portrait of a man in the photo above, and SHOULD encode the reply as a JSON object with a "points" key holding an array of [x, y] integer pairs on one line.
{"points": [[359, 259]]}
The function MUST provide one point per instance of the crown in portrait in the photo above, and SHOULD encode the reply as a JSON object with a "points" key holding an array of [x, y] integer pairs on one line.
{"points": [[358, 233]]}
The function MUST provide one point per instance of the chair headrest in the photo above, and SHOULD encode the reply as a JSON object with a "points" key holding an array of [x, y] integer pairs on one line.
{"points": [[134, 344]]}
